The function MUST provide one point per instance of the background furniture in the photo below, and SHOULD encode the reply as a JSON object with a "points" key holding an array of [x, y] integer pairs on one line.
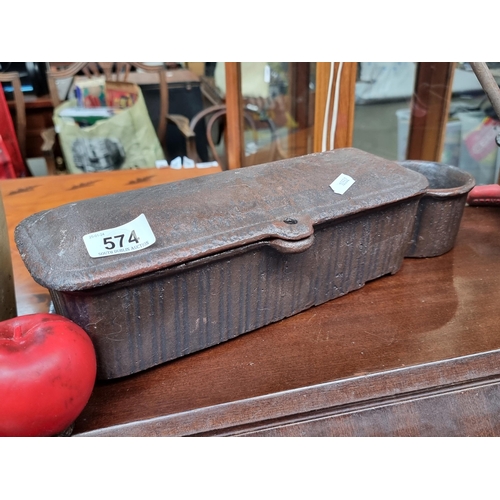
{"points": [[333, 125], [40, 135], [121, 71], [38, 119], [413, 354], [185, 98], [429, 110], [311, 90], [215, 128]]}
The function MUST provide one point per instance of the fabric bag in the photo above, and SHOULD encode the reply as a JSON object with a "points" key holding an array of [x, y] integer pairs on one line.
{"points": [[123, 141]]}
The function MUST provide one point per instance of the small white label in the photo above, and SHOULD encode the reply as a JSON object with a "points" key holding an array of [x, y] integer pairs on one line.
{"points": [[187, 162], [207, 164], [161, 163], [176, 163], [342, 183], [130, 237], [251, 148], [267, 73]]}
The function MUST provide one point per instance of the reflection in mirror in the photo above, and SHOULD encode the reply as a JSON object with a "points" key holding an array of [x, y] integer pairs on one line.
{"points": [[385, 97], [279, 109]]}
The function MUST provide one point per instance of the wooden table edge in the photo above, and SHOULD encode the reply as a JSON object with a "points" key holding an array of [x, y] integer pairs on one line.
{"points": [[318, 401]]}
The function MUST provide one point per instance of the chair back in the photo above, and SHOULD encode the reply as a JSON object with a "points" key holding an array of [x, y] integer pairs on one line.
{"points": [[215, 117]]}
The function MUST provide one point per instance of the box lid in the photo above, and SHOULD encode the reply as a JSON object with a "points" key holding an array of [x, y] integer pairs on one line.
{"points": [[279, 201]]}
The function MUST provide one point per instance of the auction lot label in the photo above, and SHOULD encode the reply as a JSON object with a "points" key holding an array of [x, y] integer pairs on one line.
{"points": [[130, 237]]}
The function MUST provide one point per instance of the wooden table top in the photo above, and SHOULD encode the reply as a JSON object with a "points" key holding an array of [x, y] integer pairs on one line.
{"points": [[24, 197], [434, 324], [400, 330]]}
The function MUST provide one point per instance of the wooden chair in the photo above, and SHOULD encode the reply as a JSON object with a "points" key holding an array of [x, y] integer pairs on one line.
{"points": [[209, 91], [119, 71], [20, 121], [214, 116]]}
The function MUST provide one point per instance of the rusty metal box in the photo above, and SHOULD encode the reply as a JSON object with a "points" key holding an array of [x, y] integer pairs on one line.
{"points": [[234, 251]]}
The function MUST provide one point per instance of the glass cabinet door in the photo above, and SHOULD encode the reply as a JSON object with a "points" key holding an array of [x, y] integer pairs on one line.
{"points": [[277, 101], [473, 126], [428, 111], [397, 110]]}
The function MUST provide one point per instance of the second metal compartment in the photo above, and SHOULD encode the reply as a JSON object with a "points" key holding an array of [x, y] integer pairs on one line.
{"points": [[441, 208]]}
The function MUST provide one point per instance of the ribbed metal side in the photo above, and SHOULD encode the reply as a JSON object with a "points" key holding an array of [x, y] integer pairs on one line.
{"points": [[440, 209], [165, 315], [436, 225]]}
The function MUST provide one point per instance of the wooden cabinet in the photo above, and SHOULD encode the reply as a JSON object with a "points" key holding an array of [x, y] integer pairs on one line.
{"points": [[38, 118]]}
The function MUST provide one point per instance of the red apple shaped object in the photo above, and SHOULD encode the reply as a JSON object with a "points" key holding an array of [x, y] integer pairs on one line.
{"points": [[47, 373]]}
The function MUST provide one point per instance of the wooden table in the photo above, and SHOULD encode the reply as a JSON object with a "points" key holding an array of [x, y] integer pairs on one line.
{"points": [[414, 354]]}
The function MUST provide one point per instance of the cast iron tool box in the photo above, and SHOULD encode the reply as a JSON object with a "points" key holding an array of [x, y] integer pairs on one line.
{"points": [[234, 251]]}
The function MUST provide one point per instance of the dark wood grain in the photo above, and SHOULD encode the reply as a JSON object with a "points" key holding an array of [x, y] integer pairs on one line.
{"points": [[234, 103], [300, 104], [384, 360], [429, 110], [470, 411], [413, 354]]}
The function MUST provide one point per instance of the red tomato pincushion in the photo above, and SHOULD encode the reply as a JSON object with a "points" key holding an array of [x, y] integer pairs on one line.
{"points": [[47, 373]]}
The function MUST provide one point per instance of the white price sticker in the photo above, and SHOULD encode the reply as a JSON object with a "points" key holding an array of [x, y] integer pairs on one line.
{"points": [[187, 162], [176, 163], [130, 237], [342, 183]]}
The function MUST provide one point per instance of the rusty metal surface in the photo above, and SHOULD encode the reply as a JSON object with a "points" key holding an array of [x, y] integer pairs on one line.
{"points": [[234, 252], [206, 215], [440, 210], [171, 313]]}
